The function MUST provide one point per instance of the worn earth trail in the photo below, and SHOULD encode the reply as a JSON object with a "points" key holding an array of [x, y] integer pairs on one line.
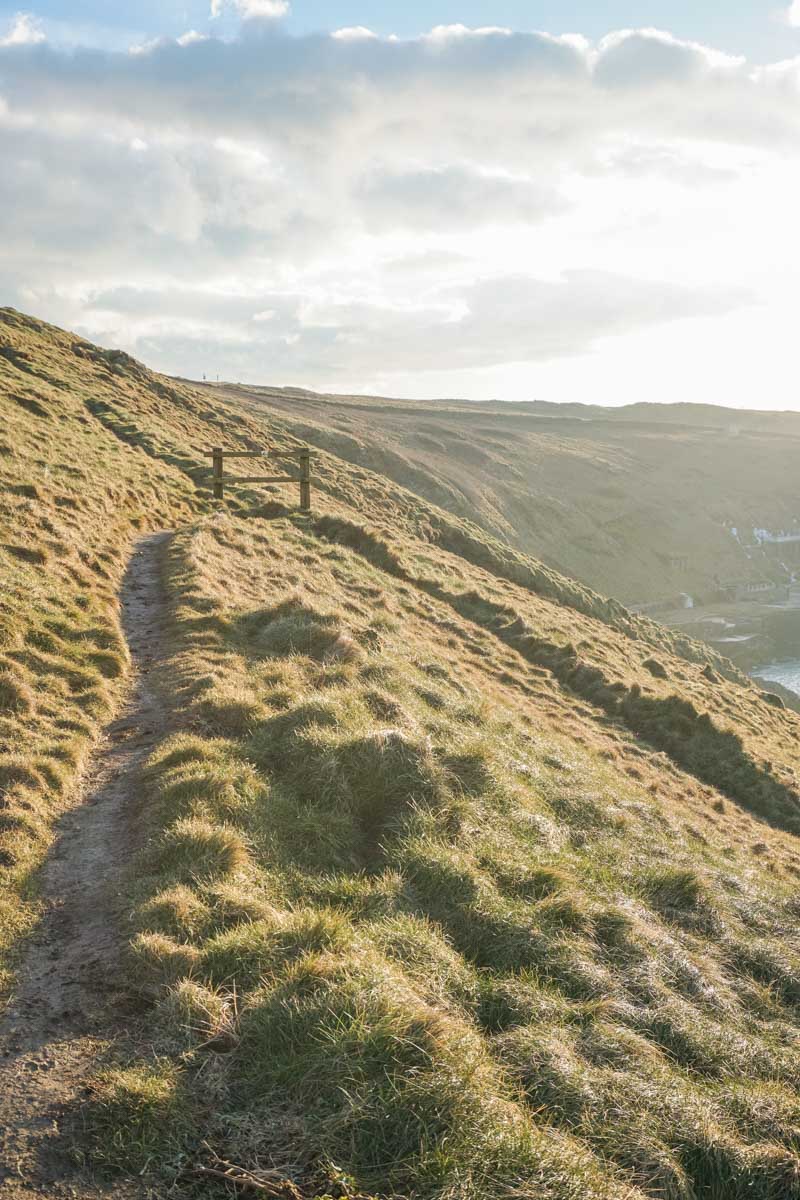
{"points": [[69, 1003]]}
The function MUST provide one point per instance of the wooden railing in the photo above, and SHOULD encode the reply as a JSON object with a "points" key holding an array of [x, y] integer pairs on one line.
{"points": [[220, 480]]}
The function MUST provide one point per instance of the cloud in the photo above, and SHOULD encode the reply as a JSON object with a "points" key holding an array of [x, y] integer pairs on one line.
{"points": [[508, 319], [651, 57], [263, 8], [253, 9], [467, 198], [354, 33], [26, 30], [453, 197], [793, 14], [191, 36]]}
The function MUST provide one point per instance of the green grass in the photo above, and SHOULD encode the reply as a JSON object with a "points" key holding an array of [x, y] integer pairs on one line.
{"points": [[607, 495], [445, 890], [71, 500], [461, 951]]}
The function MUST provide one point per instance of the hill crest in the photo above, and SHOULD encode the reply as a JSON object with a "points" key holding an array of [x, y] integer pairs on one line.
{"points": [[450, 878]]}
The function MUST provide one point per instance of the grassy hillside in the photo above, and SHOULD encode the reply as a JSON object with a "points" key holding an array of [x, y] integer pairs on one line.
{"points": [[614, 497], [455, 880]]}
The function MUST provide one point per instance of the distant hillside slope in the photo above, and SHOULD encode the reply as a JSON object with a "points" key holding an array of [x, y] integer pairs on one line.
{"points": [[453, 880], [640, 503]]}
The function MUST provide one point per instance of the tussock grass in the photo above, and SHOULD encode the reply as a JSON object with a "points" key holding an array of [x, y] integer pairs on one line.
{"points": [[144, 1114], [194, 848], [456, 879], [471, 954], [71, 500]]}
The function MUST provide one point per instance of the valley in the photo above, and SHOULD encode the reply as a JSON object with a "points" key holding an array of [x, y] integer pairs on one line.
{"points": [[646, 503], [684, 512]]}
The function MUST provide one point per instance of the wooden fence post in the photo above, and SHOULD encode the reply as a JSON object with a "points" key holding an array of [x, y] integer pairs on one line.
{"points": [[219, 487], [305, 480]]}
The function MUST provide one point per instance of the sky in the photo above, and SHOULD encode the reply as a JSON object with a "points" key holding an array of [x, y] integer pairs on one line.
{"points": [[567, 200]]}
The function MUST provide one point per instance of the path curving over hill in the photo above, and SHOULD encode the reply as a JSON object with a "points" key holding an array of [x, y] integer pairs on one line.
{"points": [[67, 1003]]}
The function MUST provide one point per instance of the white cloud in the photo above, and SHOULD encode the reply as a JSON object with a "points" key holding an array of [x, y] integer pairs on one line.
{"points": [[191, 37], [459, 196], [146, 47], [253, 9], [354, 33], [793, 14], [447, 33], [263, 8], [348, 209], [784, 75], [654, 55], [26, 30]]}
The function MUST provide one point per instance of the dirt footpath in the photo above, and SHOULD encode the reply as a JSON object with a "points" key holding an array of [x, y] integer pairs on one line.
{"points": [[68, 1004]]}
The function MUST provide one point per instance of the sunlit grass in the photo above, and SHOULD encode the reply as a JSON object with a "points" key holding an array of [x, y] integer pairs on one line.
{"points": [[455, 881], [459, 939]]}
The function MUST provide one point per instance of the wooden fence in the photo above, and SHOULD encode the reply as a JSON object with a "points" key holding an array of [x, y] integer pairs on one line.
{"points": [[220, 480]]}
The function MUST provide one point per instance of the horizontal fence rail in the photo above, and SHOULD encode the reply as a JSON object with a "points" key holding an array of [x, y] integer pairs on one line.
{"points": [[220, 480]]}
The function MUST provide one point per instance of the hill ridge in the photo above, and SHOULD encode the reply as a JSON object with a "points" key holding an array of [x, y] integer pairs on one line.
{"points": [[456, 879]]}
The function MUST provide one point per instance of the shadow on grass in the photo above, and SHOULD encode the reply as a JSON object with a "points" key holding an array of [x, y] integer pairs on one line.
{"points": [[670, 724]]}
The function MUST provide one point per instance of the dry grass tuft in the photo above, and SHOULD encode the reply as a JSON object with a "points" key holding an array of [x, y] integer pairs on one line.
{"points": [[16, 696], [196, 849], [456, 876]]}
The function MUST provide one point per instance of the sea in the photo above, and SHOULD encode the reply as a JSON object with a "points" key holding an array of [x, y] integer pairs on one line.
{"points": [[787, 673]]}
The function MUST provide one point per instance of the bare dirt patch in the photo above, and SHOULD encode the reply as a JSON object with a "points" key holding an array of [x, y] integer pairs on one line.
{"points": [[69, 1003]]}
